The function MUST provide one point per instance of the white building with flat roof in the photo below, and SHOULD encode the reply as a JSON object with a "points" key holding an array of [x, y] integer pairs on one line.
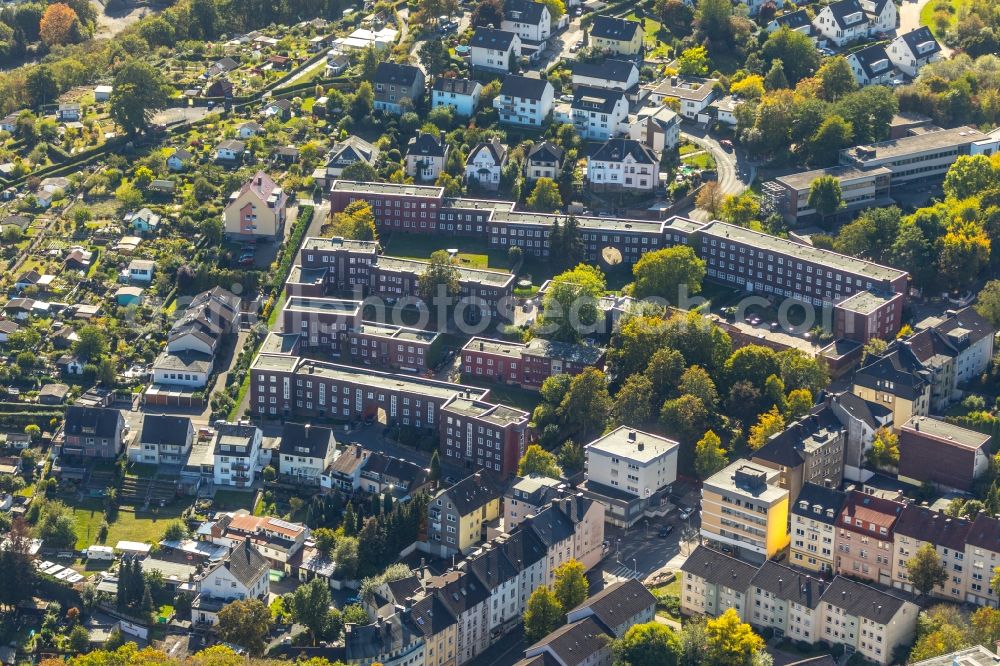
{"points": [[632, 461]]}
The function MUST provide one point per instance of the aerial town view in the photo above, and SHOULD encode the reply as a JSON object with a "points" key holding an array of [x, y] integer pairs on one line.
{"points": [[499, 332]]}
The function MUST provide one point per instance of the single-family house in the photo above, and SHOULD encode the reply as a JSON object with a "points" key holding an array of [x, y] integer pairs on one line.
{"points": [[623, 164], [102, 93], [69, 112], [249, 129], [220, 88], [426, 155], [524, 101], [544, 161], [797, 21], [617, 36], [724, 110], [912, 50], [128, 295], [7, 329], [256, 210], [183, 369], [230, 150], [143, 221], [484, 164], [92, 432], [336, 63], [220, 67], [162, 440], [243, 574], [305, 451], [397, 86], [882, 15], [693, 95], [530, 20], [279, 108], [494, 50], [236, 454], [9, 122], [52, 394], [597, 113], [656, 127], [344, 153], [871, 66], [179, 160], [612, 74], [70, 364], [462, 95], [205, 322], [141, 270], [842, 22]]}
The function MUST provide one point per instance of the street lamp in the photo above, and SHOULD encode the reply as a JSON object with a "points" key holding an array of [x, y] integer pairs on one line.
{"points": [[635, 568]]}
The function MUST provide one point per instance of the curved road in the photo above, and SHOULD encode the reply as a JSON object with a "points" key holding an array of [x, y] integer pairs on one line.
{"points": [[734, 176]]}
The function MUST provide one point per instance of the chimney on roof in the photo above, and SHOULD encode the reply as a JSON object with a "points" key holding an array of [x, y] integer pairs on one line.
{"points": [[631, 435]]}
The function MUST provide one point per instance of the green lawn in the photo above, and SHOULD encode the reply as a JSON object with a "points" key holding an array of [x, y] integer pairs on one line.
{"points": [[231, 500], [699, 161], [472, 253], [931, 8], [144, 527], [508, 395]]}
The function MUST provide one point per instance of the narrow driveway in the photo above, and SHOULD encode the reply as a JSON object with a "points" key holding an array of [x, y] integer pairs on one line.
{"points": [[909, 19], [735, 173]]}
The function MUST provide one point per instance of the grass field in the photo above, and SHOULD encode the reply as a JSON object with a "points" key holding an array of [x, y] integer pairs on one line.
{"points": [[472, 253], [508, 395], [233, 499], [128, 525], [931, 8], [699, 161]]}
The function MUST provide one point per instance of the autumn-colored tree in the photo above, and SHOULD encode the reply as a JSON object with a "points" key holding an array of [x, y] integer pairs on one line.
{"points": [[58, 24]]}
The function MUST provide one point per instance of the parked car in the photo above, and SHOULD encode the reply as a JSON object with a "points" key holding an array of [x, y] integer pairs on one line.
{"points": [[686, 512], [726, 144], [665, 531]]}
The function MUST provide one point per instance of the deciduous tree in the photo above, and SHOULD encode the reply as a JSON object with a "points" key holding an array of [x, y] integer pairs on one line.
{"points": [[770, 423], [543, 615], [664, 273], [570, 585], [649, 644], [545, 198], [709, 456], [246, 623], [139, 91], [926, 570], [730, 641], [59, 25], [537, 460]]}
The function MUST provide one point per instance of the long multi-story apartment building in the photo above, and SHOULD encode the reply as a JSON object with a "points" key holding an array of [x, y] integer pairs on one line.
{"points": [[738, 256], [477, 434], [528, 364], [347, 262], [797, 605], [919, 525], [860, 188]]}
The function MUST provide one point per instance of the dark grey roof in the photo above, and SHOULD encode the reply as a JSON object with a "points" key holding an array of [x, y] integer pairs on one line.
{"points": [[924, 524], [921, 36], [575, 643], [545, 152], [844, 8], [786, 447], [863, 410], [984, 533], [496, 149], [550, 524], [428, 145], [430, 616], [523, 11], [457, 86], [897, 365], [163, 429], [789, 584], [492, 567], [523, 548], [96, 421], [612, 70], [246, 564], [473, 492], [965, 320], [873, 60], [488, 38], [410, 475], [601, 100], [303, 439], [719, 569], [390, 72], [819, 500], [459, 590], [609, 27], [616, 150], [862, 600], [792, 20], [523, 86], [619, 602]]}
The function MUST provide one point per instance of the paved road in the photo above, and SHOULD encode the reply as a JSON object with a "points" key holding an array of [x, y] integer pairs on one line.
{"points": [[560, 45], [909, 19], [735, 173]]}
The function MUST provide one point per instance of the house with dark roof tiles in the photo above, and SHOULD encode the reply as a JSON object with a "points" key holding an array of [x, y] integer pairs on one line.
{"points": [[617, 36], [912, 50], [494, 50], [397, 87], [462, 95], [92, 432], [623, 165], [524, 101]]}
